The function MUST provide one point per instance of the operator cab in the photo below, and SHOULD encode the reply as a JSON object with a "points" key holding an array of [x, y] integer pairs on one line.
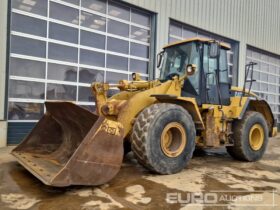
{"points": [[210, 83]]}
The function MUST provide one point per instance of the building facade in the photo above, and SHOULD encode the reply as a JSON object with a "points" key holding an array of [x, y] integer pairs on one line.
{"points": [[54, 49]]}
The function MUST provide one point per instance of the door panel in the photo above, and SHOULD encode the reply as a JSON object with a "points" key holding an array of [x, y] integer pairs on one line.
{"points": [[213, 91]]}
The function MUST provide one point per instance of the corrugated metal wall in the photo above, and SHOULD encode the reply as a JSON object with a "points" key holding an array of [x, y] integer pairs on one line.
{"points": [[252, 22], [18, 130]]}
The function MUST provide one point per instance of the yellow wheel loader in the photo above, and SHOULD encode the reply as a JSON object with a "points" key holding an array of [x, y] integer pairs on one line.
{"points": [[191, 105]]}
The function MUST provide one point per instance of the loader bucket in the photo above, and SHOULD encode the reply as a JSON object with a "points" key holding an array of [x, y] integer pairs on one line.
{"points": [[72, 146]]}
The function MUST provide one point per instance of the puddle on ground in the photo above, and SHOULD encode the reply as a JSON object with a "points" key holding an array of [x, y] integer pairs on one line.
{"points": [[189, 179], [108, 204], [129, 190], [136, 188]]}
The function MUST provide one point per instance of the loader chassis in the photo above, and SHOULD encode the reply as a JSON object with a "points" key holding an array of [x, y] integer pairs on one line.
{"points": [[191, 105]]}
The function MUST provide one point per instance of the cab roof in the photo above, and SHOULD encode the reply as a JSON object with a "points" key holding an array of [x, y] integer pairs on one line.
{"points": [[223, 45]]}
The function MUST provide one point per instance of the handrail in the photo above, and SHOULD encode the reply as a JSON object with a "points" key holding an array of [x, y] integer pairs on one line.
{"points": [[249, 69]]}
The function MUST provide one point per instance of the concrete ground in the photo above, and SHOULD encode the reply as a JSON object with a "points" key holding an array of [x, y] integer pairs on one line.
{"points": [[212, 180]]}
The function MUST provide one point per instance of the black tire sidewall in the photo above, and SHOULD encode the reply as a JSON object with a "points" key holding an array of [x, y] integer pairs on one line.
{"points": [[253, 155], [162, 163]]}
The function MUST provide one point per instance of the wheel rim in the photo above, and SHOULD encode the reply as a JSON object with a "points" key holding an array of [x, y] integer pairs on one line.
{"points": [[256, 137], [173, 139]]}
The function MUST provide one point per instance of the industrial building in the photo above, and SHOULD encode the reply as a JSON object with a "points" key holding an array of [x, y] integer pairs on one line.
{"points": [[54, 49]]}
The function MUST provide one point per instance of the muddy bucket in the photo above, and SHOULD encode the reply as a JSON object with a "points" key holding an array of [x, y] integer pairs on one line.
{"points": [[72, 146]]}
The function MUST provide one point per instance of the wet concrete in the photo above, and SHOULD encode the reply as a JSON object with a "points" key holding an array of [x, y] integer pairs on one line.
{"points": [[211, 172]]}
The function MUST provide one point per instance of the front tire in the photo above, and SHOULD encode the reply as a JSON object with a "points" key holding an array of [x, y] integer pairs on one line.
{"points": [[250, 137], [163, 138]]}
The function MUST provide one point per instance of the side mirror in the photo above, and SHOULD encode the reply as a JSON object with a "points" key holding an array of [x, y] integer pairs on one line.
{"points": [[159, 59], [214, 51], [190, 69]]}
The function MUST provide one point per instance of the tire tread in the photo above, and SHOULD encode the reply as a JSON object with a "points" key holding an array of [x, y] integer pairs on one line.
{"points": [[237, 151], [141, 129]]}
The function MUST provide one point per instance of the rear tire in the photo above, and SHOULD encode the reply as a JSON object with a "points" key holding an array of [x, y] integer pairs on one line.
{"points": [[250, 137], [163, 138]]}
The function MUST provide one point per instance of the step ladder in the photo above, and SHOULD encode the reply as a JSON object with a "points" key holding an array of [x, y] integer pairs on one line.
{"points": [[249, 70]]}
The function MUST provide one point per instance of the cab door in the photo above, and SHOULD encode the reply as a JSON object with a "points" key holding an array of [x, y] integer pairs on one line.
{"points": [[217, 87]]}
